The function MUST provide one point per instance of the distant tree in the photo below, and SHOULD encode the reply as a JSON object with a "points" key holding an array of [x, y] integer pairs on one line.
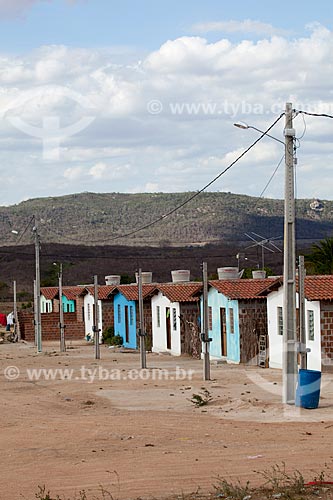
{"points": [[320, 259], [3, 290], [248, 272], [125, 279], [50, 275]]}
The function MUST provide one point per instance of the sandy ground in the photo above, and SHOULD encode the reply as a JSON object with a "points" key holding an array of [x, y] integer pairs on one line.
{"points": [[103, 423]]}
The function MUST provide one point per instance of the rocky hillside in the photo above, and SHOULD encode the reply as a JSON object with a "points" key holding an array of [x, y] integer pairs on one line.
{"points": [[103, 219]]}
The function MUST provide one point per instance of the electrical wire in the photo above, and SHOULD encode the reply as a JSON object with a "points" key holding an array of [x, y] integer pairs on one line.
{"points": [[188, 200], [299, 111], [21, 236], [304, 131], [25, 230], [269, 181]]}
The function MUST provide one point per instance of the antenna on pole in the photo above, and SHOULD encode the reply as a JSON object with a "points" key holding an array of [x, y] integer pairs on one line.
{"points": [[265, 244]]}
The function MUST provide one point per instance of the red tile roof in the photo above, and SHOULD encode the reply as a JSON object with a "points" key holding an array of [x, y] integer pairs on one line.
{"points": [[131, 292], [318, 287], [244, 288], [70, 292], [49, 292], [181, 292], [104, 291]]}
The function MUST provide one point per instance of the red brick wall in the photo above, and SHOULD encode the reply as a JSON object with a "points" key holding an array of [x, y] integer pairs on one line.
{"points": [[147, 319], [107, 313], [252, 324], [78, 307], [50, 326], [326, 330], [190, 329]]}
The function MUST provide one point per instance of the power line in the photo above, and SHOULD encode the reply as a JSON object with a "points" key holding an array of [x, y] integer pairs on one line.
{"points": [[181, 205], [299, 111], [21, 236], [269, 181]]}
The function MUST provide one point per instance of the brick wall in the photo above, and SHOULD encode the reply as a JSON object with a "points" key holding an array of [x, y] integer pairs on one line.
{"points": [[326, 330], [79, 303], [147, 318], [252, 324], [189, 329], [50, 326], [107, 314]]}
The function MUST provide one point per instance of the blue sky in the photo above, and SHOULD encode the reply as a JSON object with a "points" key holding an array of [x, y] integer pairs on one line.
{"points": [[141, 95], [143, 24]]}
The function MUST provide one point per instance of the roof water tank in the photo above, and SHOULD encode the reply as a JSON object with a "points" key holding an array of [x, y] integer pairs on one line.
{"points": [[146, 277], [228, 273], [180, 275], [112, 279], [258, 274]]}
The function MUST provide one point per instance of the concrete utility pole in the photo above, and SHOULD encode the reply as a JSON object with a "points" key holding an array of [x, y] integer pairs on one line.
{"points": [[17, 333], [142, 333], [35, 311], [96, 320], [289, 361], [38, 320], [61, 313], [204, 336], [301, 298]]}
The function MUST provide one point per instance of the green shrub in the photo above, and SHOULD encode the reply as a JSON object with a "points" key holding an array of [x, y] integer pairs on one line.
{"points": [[110, 338], [116, 340], [107, 334]]}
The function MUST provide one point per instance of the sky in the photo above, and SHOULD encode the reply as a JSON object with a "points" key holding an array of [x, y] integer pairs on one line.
{"points": [[142, 95]]}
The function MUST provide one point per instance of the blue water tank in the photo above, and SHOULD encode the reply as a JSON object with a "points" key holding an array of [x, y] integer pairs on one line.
{"points": [[308, 389]]}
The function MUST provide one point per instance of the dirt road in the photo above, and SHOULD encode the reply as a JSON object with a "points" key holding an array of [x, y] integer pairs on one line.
{"points": [[78, 423]]}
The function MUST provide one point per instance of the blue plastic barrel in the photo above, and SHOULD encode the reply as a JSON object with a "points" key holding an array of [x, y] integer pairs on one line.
{"points": [[308, 389]]}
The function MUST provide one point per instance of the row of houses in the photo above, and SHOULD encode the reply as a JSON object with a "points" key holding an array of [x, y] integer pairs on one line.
{"points": [[245, 317]]}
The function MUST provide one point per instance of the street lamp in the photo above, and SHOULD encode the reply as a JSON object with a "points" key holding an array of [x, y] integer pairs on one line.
{"points": [[38, 311], [245, 126], [38, 319], [289, 360]]}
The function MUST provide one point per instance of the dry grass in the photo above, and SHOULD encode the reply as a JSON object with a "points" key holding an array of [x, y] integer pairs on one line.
{"points": [[278, 484]]}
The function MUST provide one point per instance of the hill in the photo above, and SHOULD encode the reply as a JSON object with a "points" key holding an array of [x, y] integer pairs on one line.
{"points": [[102, 219], [82, 231]]}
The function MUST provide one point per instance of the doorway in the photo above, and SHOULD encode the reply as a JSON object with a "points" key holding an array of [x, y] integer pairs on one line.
{"points": [[126, 325], [223, 328], [168, 327]]}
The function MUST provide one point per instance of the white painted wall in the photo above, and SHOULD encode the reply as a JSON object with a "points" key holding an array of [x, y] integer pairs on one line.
{"points": [[314, 357], [159, 332], [88, 303], [275, 300], [45, 305]]}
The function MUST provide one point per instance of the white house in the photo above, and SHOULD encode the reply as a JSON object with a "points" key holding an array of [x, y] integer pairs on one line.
{"points": [[47, 296], [175, 318], [318, 322], [105, 308]]}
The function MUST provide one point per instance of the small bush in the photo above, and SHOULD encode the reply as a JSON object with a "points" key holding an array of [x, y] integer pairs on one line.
{"points": [[110, 338], [201, 399], [108, 334], [116, 340]]}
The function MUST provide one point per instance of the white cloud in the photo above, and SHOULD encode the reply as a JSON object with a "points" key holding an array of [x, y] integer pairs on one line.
{"points": [[73, 173], [98, 170], [133, 146], [151, 187], [246, 26]]}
